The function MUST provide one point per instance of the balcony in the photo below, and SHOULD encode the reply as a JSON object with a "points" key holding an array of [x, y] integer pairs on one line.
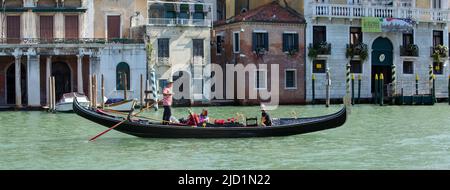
{"points": [[358, 11], [323, 48], [179, 22], [163, 61], [358, 49], [411, 50], [439, 52]]}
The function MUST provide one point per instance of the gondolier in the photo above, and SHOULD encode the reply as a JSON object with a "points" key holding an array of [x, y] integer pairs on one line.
{"points": [[167, 102]]}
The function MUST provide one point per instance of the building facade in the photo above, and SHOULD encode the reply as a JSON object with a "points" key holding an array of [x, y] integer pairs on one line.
{"points": [[179, 36], [70, 40], [265, 36], [412, 32]]}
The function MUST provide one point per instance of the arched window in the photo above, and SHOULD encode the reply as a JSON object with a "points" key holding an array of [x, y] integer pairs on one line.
{"points": [[122, 75]]}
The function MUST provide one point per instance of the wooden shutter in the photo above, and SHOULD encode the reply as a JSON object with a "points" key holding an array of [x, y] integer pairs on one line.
{"points": [[266, 41], [46, 27], [285, 42], [113, 27], [13, 29], [254, 41], [71, 27], [296, 46]]}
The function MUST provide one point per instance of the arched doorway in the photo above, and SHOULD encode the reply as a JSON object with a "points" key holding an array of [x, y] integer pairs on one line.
{"points": [[63, 78], [11, 84], [382, 60]]}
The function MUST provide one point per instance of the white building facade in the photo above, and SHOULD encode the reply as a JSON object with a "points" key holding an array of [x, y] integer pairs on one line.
{"points": [[179, 34], [335, 26]]}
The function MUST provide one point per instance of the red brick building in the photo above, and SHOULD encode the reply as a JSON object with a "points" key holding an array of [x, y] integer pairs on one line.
{"points": [[267, 35]]}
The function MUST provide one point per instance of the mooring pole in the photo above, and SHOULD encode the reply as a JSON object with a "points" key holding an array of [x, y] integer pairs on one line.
{"points": [[448, 89], [359, 89], [142, 91], [353, 89], [430, 79], [313, 88], [381, 89], [417, 84], [90, 91], [434, 89], [103, 92], [347, 84], [125, 87], [376, 89], [328, 90], [394, 84]]}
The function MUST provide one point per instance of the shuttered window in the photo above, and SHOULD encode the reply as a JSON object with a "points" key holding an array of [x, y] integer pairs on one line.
{"points": [[46, 27], [290, 42], [71, 27], [163, 47], [113, 27], [260, 40], [13, 29]]}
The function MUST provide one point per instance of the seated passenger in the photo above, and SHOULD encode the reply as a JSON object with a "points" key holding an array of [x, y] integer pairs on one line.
{"points": [[193, 119], [265, 118], [204, 116]]}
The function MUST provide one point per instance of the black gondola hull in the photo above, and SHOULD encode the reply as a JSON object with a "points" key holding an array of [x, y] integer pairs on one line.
{"points": [[155, 130]]}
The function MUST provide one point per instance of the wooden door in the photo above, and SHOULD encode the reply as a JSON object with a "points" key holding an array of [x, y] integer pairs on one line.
{"points": [[71, 27], [13, 29], [113, 27], [46, 27]]}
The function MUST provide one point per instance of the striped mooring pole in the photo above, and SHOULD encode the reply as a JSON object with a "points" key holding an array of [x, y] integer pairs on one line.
{"points": [[376, 89], [313, 88], [154, 89], [394, 84], [430, 79], [433, 95], [381, 89]]}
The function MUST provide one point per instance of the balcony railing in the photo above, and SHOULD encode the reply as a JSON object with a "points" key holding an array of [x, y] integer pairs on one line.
{"points": [[179, 22], [163, 61], [411, 50], [438, 52], [359, 11], [69, 41], [321, 48]]}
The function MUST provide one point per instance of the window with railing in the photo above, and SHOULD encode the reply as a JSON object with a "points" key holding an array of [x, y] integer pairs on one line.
{"points": [[409, 48], [163, 51]]}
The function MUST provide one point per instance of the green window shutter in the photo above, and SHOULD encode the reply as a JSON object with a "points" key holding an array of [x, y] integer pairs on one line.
{"points": [[266, 41], [285, 42], [254, 41], [296, 46]]}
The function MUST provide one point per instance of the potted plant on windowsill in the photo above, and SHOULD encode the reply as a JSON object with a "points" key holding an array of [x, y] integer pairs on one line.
{"points": [[359, 49], [291, 52], [412, 49], [259, 52], [439, 52]]}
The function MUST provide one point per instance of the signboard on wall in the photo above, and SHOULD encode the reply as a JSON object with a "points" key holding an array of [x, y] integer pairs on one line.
{"points": [[371, 24], [400, 25]]}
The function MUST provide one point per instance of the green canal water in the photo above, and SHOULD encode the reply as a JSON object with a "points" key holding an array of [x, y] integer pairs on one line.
{"points": [[373, 138]]}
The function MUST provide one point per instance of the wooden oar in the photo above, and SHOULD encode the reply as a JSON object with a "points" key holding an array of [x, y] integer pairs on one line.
{"points": [[116, 125]]}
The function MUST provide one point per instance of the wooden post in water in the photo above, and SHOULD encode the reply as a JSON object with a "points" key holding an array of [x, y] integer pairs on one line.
{"points": [[417, 84], [433, 95], [359, 89], [90, 91], [381, 89], [147, 88], [53, 94], [94, 85], [313, 88], [50, 97], [125, 87], [328, 78], [142, 91], [353, 89], [448, 89], [103, 92], [376, 89]]}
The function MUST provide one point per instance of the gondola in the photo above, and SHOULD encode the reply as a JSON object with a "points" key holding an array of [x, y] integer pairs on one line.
{"points": [[149, 129]]}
